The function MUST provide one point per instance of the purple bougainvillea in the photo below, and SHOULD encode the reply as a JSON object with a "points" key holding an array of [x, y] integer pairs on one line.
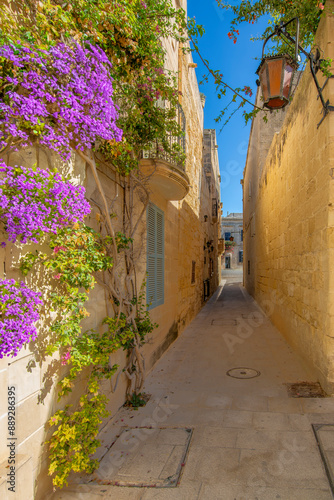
{"points": [[19, 310], [36, 201], [61, 96]]}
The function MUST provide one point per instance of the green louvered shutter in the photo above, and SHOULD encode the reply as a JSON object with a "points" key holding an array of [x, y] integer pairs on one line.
{"points": [[155, 256]]}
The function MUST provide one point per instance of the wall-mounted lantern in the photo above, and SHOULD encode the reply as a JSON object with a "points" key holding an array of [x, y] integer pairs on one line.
{"points": [[276, 75], [276, 72]]}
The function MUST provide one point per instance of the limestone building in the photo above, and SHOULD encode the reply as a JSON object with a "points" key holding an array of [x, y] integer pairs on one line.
{"points": [[288, 190], [174, 259], [210, 213]]}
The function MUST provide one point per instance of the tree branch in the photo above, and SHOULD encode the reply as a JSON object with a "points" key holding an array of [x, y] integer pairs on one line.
{"points": [[221, 82]]}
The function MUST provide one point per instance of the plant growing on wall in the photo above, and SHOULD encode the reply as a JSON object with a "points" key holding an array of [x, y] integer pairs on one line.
{"points": [[35, 202], [19, 311], [56, 97], [63, 68]]}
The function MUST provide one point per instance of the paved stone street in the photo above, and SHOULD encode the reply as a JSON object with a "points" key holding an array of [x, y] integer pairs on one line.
{"points": [[214, 436]]}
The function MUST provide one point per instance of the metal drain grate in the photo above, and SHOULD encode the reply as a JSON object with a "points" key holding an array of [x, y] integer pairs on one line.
{"points": [[243, 373]]}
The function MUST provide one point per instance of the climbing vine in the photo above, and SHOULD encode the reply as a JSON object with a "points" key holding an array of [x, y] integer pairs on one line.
{"points": [[87, 80], [250, 12], [308, 12]]}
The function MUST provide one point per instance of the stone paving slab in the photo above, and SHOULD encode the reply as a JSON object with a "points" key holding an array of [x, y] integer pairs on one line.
{"points": [[97, 492], [215, 436], [282, 405], [248, 402], [189, 491], [274, 440], [260, 492], [250, 440], [270, 420], [145, 457], [320, 418], [211, 464], [315, 405], [324, 434]]}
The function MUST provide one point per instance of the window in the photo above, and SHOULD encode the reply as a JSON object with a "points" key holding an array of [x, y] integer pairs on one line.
{"points": [[227, 236], [214, 207], [252, 225], [155, 257], [241, 256], [211, 268], [248, 267], [193, 272], [242, 235]]}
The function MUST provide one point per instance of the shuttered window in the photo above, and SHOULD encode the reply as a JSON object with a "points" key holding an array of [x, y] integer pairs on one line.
{"points": [[155, 257], [193, 272]]}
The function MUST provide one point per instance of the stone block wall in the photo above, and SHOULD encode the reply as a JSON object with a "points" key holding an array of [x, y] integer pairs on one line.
{"points": [[289, 215], [210, 205], [32, 374]]}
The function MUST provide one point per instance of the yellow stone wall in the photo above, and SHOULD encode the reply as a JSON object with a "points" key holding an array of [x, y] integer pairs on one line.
{"points": [[289, 217], [184, 225], [210, 190]]}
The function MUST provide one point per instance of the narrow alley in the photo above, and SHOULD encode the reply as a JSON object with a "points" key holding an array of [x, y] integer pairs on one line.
{"points": [[219, 424]]}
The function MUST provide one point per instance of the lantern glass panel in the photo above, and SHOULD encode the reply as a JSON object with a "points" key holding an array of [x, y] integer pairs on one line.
{"points": [[264, 82], [275, 76], [288, 74]]}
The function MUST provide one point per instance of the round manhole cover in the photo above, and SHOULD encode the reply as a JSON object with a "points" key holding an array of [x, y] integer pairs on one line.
{"points": [[243, 373]]}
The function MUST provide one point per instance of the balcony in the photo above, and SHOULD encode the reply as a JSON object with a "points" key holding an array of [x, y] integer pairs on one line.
{"points": [[164, 173]]}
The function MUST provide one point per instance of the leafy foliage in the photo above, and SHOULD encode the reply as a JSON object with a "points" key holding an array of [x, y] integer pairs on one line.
{"points": [[74, 440], [136, 401], [78, 253], [308, 12], [247, 11]]}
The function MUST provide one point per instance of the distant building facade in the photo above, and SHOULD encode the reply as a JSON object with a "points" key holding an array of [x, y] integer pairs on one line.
{"points": [[210, 212], [232, 233]]}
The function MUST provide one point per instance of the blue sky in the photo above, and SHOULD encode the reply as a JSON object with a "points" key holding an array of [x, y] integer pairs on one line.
{"points": [[238, 65]]}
